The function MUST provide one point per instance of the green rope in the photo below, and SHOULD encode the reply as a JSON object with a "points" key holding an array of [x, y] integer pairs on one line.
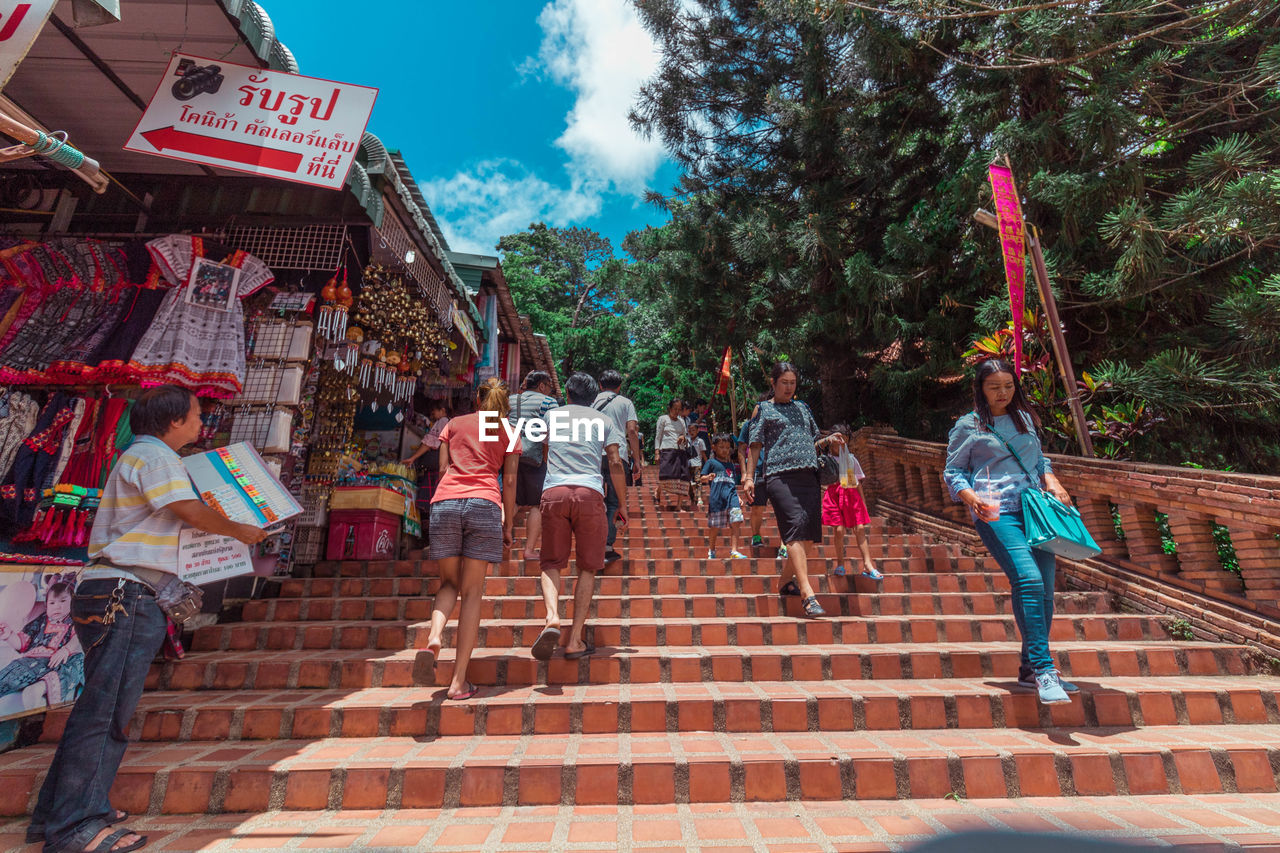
{"points": [[57, 149]]}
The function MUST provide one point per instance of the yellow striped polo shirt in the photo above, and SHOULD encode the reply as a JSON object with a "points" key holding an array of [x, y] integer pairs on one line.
{"points": [[134, 527]]}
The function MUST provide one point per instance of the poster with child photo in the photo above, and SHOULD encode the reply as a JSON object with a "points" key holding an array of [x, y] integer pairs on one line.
{"points": [[41, 661]]}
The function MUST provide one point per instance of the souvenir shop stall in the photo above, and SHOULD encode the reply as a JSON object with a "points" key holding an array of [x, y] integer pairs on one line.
{"points": [[375, 344], [85, 326]]}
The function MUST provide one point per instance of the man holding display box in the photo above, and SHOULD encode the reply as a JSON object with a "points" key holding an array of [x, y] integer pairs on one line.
{"points": [[119, 612]]}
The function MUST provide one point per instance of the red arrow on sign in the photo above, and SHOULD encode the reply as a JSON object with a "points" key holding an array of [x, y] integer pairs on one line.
{"points": [[169, 138]]}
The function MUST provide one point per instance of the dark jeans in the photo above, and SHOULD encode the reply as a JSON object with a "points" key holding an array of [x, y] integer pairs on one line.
{"points": [[1030, 572], [73, 805], [612, 501]]}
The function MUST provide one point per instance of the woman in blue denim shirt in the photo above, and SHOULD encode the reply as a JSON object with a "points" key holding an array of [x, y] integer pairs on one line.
{"points": [[983, 474]]}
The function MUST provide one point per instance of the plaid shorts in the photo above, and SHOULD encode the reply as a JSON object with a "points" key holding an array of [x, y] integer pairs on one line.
{"points": [[466, 527], [725, 518]]}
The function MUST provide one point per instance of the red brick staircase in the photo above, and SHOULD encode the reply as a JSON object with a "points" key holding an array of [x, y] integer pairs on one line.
{"points": [[707, 689]]}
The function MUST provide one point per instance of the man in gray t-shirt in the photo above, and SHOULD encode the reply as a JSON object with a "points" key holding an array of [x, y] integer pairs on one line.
{"points": [[622, 412], [573, 509]]}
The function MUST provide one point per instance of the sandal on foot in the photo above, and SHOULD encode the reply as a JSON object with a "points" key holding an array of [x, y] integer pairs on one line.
{"points": [[108, 844], [873, 573], [35, 833], [789, 588], [468, 691], [587, 652], [545, 646], [812, 607], [839, 570], [433, 655]]}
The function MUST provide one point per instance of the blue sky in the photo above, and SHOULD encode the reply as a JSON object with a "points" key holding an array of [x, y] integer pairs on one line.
{"points": [[507, 111]]}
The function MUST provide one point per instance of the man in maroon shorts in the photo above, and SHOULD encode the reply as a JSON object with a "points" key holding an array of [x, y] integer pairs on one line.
{"points": [[573, 508]]}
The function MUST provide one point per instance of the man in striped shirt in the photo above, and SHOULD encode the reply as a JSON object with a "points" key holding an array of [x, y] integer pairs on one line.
{"points": [[133, 551]]}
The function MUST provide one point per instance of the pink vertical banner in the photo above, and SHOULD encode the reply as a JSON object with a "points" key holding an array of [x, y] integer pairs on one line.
{"points": [[1014, 245]]}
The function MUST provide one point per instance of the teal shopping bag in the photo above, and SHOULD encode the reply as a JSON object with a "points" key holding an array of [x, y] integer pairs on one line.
{"points": [[1053, 526]]}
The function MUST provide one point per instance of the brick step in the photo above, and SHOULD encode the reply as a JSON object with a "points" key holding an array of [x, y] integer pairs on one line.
{"points": [[336, 668], [664, 585], [1214, 822], [709, 631], [665, 607], [696, 564], [755, 707], [621, 769]]}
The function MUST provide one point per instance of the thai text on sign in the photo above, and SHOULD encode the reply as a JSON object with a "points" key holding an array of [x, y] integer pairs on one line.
{"points": [[255, 120], [1013, 245]]}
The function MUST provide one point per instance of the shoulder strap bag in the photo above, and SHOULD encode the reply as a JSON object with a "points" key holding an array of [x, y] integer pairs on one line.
{"points": [[1050, 524]]}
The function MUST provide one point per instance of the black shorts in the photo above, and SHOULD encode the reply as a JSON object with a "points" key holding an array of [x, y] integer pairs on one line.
{"points": [[529, 480], [797, 503]]}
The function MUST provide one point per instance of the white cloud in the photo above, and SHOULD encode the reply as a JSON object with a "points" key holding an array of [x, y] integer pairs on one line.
{"points": [[599, 49], [497, 197]]}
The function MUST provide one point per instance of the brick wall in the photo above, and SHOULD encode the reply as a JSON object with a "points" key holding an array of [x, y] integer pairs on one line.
{"points": [[907, 475]]}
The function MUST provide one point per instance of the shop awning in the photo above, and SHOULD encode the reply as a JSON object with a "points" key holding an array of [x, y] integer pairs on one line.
{"points": [[94, 82]]}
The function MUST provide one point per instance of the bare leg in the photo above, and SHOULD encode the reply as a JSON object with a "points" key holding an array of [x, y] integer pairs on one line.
{"points": [[797, 563], [735, 533], [839, 542], [446, 598], [864, 545], [472, 589], [711, 538], [551, 596], [757, 520], [583, 591], [534, 540]]}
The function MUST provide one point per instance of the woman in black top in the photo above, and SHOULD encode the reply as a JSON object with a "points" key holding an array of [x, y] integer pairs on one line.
{"points": [[788, 435]]}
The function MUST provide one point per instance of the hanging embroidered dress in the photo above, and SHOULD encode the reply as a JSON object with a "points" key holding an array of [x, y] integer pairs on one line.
{"points": [[193, 345]]}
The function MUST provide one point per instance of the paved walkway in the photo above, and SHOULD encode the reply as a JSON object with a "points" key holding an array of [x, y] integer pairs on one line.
{"points": [[1224, 821]]}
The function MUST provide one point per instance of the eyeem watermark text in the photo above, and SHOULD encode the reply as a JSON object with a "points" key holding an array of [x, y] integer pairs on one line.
{"points": [[559, 426]]}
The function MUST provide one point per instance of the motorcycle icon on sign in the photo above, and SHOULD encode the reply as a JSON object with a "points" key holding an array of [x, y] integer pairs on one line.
{"points": [[196, 79]]}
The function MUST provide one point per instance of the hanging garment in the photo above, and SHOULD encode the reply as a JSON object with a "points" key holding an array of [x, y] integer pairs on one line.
{"points": [[36, 460], [195, 345], [18, 414]]}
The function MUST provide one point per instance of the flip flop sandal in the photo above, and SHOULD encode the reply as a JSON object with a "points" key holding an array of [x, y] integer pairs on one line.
{"points": [[434, 653], [108, 844], [545, 646], [874, 574], [35, 834], [467, 692], [587, 652], [839, 571], [812, 608]]}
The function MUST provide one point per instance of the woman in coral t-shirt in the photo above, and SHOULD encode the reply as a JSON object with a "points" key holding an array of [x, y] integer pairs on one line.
{"points": [[470, 520]]}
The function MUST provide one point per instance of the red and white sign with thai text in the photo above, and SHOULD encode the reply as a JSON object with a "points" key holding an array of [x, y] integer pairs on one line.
{"points": [[255, 120], [20, 23]]}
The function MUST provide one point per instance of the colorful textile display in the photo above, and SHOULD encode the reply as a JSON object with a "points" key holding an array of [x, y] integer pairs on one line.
{"points": [[18, 414], [73, 311], [197, 337], [37, 458]]}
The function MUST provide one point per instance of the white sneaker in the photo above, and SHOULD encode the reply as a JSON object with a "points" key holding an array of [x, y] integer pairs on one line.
{"points": [[711, 555], [738, 555], [1050, 688]]}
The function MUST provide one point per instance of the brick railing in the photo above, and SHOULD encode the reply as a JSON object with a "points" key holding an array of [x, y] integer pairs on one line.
{"points": [[906, 476]]}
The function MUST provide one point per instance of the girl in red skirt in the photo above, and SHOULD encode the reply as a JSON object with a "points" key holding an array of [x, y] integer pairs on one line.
{"points": [[844, 509]]}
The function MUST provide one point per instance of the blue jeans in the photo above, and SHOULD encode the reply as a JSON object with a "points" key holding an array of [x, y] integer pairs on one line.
{"points": [[1030, 573], [73, 805]]}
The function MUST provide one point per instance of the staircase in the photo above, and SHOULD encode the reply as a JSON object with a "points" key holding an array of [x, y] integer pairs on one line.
{"points": [[710, 699]]}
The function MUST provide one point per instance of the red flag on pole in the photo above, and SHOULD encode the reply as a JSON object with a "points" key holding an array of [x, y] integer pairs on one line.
{"points": [[1013, 243], [722, 383]]}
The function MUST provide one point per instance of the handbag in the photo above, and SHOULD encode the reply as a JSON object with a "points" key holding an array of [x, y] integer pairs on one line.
{"points": [[1050, 524], [179, 600], [828, 470]]}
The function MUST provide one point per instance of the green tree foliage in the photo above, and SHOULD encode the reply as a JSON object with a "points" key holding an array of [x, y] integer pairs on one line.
{"points": [[569, 283], [835, 150]]}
